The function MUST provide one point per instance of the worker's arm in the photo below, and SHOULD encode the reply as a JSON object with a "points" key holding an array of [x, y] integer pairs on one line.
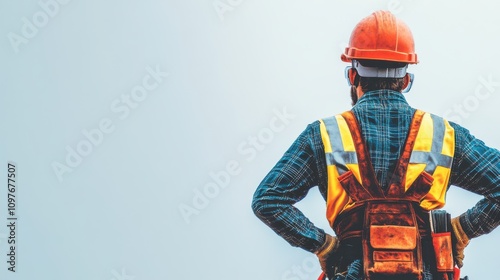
{"points": [[476, 168], [301, 168]]}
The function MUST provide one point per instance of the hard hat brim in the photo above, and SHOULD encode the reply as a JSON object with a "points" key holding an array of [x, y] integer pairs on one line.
{"points": [[379, 54]]}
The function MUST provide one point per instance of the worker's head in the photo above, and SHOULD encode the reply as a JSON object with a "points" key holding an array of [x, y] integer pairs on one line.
{"points": [[380, 49]]}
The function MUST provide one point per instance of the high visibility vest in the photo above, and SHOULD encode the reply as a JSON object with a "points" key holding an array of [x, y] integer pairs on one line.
{"points": [[432, 153]]}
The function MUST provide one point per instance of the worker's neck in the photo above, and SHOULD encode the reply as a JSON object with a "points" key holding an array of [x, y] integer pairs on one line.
{"points": [[359, 92]]}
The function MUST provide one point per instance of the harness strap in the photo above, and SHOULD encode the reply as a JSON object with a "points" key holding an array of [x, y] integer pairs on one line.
{"points": [[369, 182], [369, 185], [397, 183]]}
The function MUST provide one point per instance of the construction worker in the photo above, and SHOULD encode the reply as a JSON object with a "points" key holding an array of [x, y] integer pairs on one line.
{"points": [[381, 167]]}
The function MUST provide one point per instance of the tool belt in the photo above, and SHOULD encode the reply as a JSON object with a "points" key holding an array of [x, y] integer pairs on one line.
{"points": [[389, 240], [390, 229], [388, 246]]}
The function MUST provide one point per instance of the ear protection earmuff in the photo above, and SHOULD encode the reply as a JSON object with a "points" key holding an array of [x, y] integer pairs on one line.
{"points": [[350, 75], [409, 78]]}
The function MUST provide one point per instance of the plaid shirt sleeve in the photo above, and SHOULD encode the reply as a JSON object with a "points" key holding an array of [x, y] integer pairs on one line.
{"points": [[301, 168], [476, 168]]}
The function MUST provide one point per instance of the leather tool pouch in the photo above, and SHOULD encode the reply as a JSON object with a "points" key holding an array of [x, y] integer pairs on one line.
{"points": [[443, 250], [391, 240]]}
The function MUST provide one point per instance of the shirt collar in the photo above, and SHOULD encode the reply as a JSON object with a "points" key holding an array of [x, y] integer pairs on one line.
{"points": [[382, 96]]}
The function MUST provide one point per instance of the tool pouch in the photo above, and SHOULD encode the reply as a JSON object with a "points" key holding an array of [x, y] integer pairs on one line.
{"points": [[391, 240], [443, 251]]}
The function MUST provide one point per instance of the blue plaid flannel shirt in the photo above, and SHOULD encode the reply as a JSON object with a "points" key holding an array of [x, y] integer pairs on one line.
{"points": [[384, 117]]}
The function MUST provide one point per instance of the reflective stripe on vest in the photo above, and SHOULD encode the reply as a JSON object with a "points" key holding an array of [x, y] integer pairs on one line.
{"points": [[433, 153]]}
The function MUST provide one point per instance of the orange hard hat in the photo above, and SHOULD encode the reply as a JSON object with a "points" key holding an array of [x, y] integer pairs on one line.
{"points": [[381, 36]]}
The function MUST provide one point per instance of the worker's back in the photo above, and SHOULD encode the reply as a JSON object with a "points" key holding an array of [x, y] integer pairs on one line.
{"points": [[384, 118]]}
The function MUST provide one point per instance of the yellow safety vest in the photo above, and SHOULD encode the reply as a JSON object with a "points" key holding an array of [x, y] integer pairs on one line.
{"points": [[432, 153]]}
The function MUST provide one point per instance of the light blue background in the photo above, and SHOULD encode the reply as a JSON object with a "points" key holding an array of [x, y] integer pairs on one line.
{"points": [[116, 214]]}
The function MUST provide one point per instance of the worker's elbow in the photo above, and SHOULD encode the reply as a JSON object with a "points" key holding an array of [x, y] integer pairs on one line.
{"points": [[260, 207], [257, 207], [263, 204]]}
